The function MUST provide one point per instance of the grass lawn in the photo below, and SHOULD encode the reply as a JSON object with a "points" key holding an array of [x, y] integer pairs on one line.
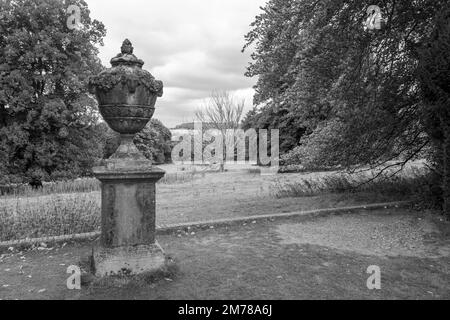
{"points": [[321, 258], [206, 197]]}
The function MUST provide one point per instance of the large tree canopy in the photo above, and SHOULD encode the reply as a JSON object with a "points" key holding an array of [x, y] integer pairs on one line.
{"points": [[434, 75], [355, 93], [47, 117], [154, 141]]}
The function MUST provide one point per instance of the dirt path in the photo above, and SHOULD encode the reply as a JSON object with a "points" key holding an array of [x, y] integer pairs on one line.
{"points": [[314, 259]]}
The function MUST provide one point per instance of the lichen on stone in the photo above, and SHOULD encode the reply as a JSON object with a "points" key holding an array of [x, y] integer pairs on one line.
{"points": [[109, 78]]}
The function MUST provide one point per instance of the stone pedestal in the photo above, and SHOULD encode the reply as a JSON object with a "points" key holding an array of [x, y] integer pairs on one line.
{"points": [[126, 95], [129, 261], [128, 245]]}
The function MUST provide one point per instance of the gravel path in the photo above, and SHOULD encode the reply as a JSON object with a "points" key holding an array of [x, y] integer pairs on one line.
{"points": [[378, 235], [259, 261]]}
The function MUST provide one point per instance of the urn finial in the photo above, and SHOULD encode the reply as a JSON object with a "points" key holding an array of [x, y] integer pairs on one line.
{"points": [[127, 47], [126, 56]]}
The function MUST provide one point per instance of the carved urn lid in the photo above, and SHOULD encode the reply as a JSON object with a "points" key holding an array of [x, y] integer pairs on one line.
{"points": [[126, 69]]}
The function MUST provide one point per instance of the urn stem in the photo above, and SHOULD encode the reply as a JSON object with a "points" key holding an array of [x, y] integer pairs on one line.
{"points": [[127, 149]]}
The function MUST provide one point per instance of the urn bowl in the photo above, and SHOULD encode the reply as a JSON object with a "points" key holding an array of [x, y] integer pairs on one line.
{"points": [[126, 93]]}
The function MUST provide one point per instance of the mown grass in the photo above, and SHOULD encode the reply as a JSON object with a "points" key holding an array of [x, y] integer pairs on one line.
{"points": [[178, 177]]}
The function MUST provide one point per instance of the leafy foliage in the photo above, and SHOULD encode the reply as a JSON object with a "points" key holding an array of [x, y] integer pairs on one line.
{"points": [[434, 75], [154, 141], [47, 117], [354, 95]]}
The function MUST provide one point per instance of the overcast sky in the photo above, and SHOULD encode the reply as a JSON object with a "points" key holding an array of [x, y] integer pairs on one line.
{"points": [[193, 46]]}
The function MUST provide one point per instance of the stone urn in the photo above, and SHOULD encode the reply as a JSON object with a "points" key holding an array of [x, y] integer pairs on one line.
{"points": [[126, 95]]}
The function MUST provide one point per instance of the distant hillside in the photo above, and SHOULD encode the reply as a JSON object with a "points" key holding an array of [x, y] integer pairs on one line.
{"points": [[190, 126]]}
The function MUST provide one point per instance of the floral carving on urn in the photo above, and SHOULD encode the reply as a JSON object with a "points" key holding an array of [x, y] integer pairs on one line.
{"points": [[126, 94]]}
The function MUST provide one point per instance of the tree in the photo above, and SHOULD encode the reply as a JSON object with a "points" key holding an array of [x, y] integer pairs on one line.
{"points": [[47, 117], [434, 75], [275, 116], [154, 141], [354, 92], [222, 113]]}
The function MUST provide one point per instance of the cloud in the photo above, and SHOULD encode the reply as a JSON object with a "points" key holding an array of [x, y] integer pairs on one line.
{"points": [[193, 46], [172, 108]]}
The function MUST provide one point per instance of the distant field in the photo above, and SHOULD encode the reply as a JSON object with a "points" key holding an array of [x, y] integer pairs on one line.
{"points": [[187, 197]]}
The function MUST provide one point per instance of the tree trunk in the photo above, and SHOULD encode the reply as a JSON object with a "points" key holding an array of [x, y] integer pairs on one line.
{"points": [[446, 171]]}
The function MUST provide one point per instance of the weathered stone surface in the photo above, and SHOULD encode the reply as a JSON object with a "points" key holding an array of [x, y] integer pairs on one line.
{"points": [[127, 96], [126, 154], [128, 244], [128, 261], [128, 206], [113, 111]]}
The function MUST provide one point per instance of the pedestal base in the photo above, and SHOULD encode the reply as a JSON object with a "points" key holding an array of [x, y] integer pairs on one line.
{"points": [[128, 261], [128, 206], [127, 245]]}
